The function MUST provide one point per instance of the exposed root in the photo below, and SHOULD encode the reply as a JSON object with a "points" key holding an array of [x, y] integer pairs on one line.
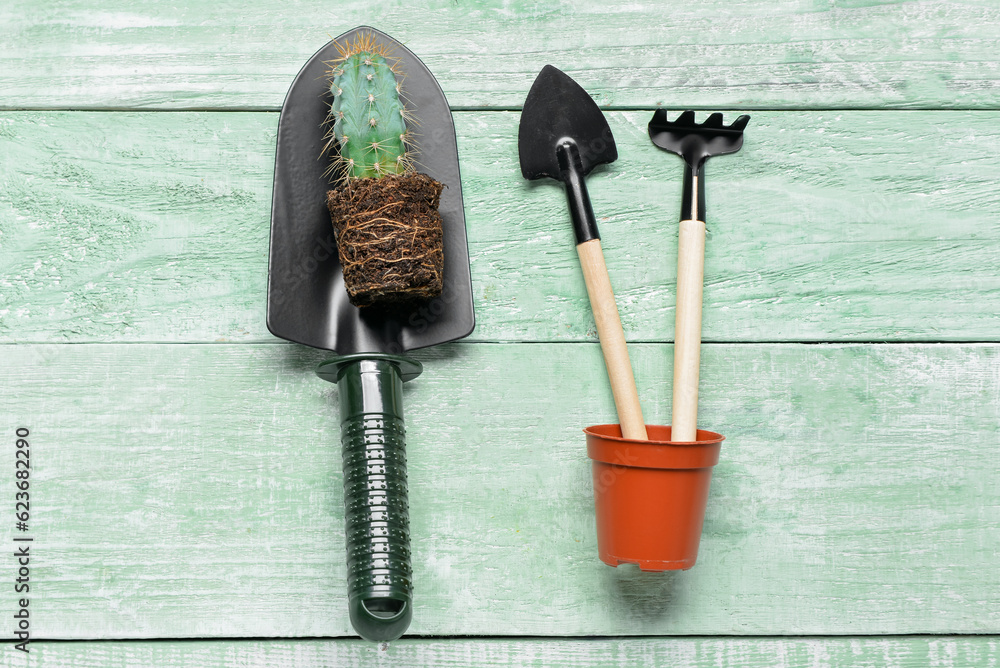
{"points": [[389, 238]]}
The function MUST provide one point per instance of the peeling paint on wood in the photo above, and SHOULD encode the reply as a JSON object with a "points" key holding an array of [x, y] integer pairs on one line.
{"points": [[718, 53], [194, 490], [154, 227], [898, 652]]}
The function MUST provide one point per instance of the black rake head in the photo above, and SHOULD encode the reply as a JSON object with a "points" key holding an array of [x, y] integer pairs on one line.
{"points": [[697, 142]]}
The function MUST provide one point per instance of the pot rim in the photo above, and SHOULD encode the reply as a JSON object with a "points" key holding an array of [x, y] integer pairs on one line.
{"points": [[606, 445]]}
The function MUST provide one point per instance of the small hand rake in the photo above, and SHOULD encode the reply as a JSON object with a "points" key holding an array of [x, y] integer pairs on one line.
{"points": [[695, 144]]}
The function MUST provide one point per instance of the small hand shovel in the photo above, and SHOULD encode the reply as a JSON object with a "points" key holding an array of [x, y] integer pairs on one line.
{"points": [[696, 144], [307, 303], [563, 135]]}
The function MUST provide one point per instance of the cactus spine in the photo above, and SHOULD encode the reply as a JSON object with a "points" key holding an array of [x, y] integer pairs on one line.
{"points": [[367, 117]]}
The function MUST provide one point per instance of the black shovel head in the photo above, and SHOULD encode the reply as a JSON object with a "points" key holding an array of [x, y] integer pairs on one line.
{"points": [[556, 109], [306, 299]]}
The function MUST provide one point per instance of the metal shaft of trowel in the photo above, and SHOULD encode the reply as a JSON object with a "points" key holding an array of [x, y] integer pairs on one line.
{"points": [[602, 297]]}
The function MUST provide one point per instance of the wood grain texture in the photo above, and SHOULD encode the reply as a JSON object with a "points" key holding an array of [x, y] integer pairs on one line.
{"points": [[193, 491], [687, 329], [628, 410], [905, 652], [880, 226], [718, 53]]}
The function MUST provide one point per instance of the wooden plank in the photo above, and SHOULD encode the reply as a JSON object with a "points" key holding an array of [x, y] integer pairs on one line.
{"points": [[718, 53], [194, 491], [826, 227], [897, 652]]}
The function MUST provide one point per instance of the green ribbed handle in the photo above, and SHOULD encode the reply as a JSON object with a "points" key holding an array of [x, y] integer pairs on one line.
{"points": [[372, 436]]}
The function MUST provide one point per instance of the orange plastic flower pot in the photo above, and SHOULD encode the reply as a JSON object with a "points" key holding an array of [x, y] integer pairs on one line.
{"points": [[650, 496]]}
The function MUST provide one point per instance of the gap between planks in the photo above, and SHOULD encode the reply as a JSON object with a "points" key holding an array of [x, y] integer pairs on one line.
{"points": [[517, 638], [458, 109]]}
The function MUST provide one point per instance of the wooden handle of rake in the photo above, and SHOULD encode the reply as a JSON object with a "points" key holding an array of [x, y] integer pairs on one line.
{"points": [[687, 336], [609, 330]]}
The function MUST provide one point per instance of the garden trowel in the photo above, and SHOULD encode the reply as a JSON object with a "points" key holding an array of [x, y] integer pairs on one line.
{"points": [[308, 304], [563, 135]]}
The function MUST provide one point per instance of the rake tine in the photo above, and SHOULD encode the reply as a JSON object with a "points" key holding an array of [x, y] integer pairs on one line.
{"points": [[660, 116], [740, 123], [714, 121], [687, 118]]}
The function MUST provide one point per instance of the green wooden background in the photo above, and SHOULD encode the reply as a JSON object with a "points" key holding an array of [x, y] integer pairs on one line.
{"points": [[186, 474]]}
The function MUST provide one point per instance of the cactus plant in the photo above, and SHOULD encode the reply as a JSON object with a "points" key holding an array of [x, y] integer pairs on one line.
{"points": [[388, 229], [369, 119]]}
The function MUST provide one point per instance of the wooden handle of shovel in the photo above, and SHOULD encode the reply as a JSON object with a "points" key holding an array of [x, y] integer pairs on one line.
{"points": [[609, 330], [687, 329]]}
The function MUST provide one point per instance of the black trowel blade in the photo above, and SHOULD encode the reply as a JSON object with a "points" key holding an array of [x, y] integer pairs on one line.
{"points": [[557, 108], [306, 299]]}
